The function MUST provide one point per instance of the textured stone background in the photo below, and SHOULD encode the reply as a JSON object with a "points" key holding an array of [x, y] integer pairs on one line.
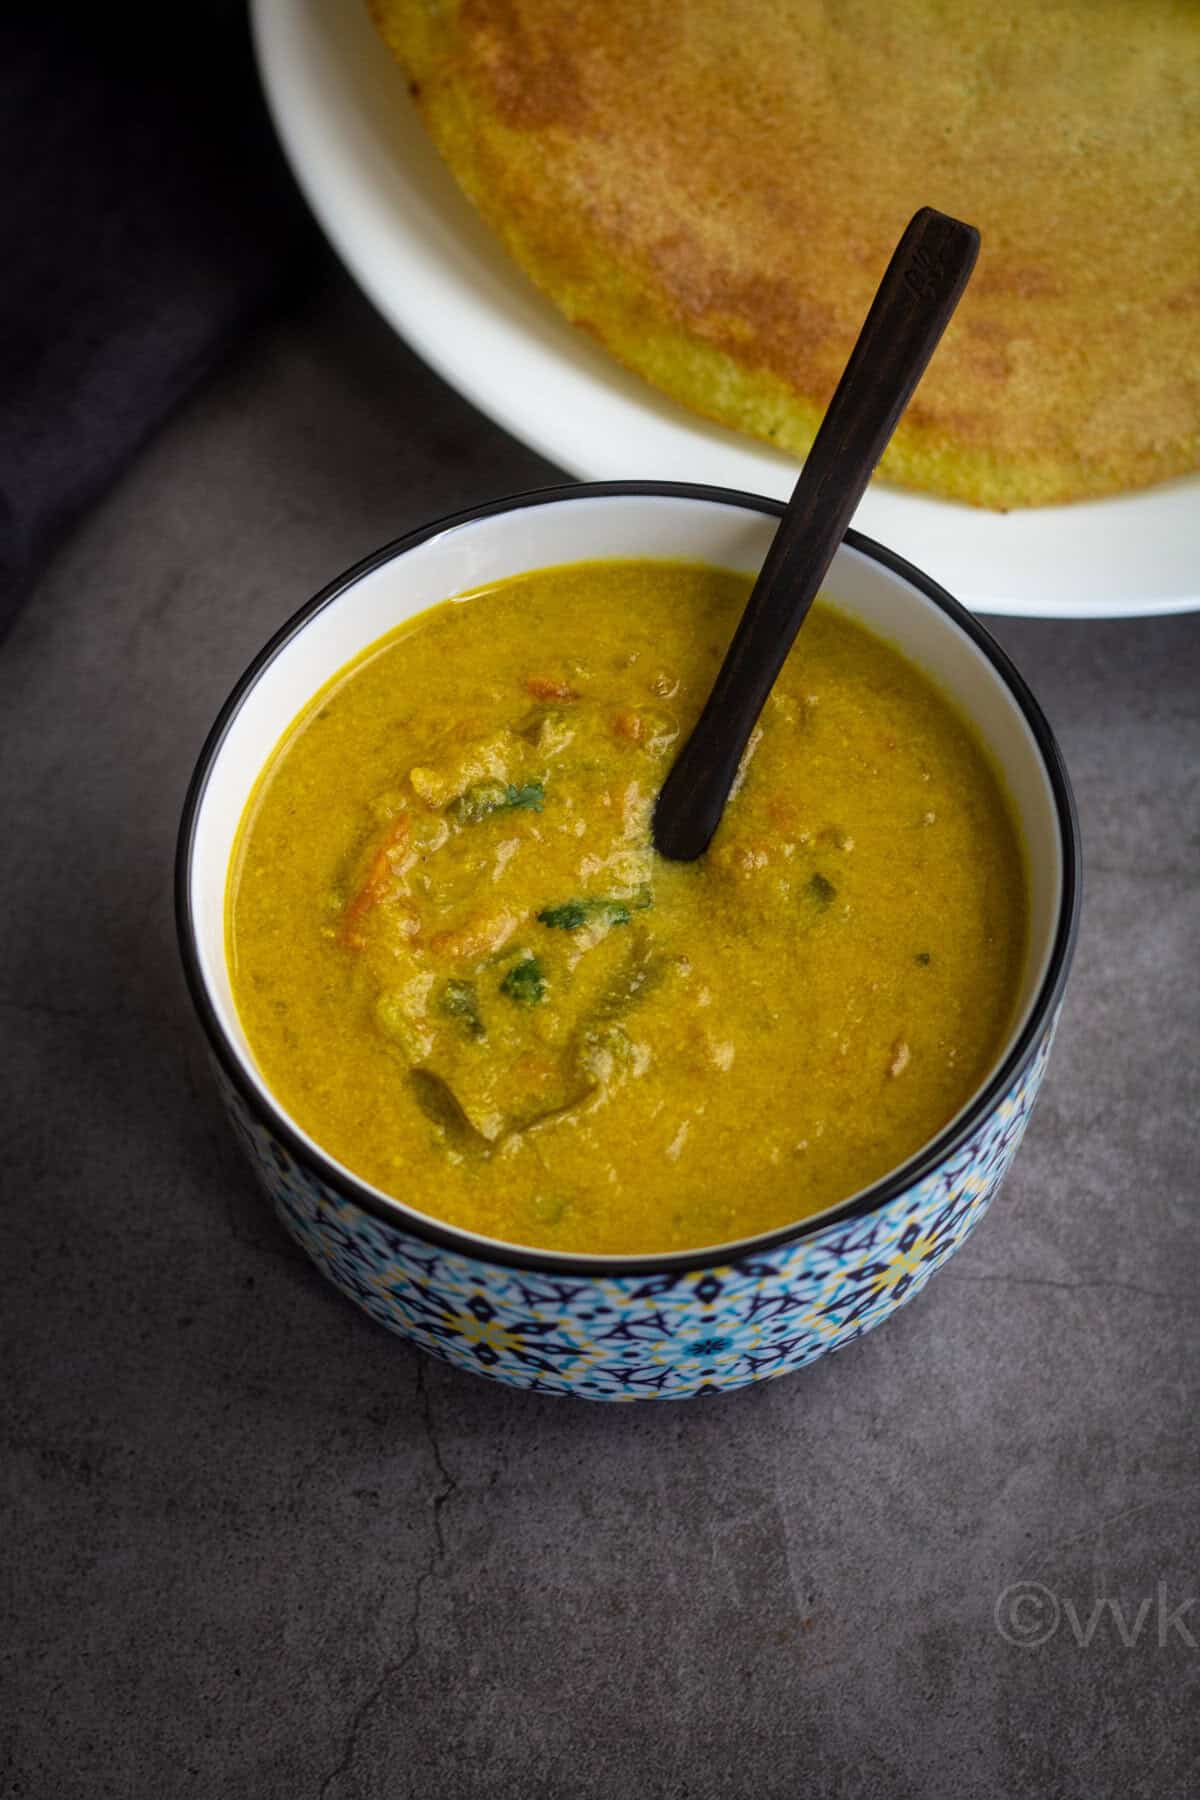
{"points": [[253, 1546]]}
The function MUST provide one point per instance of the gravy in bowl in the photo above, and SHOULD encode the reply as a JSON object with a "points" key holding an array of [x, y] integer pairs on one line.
{"points": [[464, 971]]}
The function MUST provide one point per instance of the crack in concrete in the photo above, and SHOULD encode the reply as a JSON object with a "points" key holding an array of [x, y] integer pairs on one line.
{"points": [[449, 1484], [1038, 1558], [446, 1492], [360, 1713], [1070, 1287]]}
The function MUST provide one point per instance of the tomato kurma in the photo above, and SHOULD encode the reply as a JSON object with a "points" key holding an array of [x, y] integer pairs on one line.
{"points": [[464, 970]]}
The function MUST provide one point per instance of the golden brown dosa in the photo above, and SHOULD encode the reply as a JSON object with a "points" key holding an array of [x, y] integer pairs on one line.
{"points": [[713, 189]]}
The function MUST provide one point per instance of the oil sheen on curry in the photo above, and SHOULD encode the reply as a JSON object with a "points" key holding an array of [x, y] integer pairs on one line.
{"points": [[464, 970]]}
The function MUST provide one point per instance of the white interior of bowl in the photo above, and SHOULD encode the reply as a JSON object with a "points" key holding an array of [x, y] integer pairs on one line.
{"points": [[534, 536]]}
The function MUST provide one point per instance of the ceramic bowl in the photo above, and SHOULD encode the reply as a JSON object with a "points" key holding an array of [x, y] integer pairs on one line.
{"points": [[607, 1327]]}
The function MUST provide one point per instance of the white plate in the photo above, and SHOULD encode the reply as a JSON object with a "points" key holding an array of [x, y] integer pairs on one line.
{"points": [[418, 250]]}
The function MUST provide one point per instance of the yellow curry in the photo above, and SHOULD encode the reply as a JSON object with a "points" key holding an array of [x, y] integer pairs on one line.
{"points": [[464, 970]]}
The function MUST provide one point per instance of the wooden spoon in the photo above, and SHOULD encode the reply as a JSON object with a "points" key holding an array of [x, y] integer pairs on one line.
{"points": [[919, 292]]}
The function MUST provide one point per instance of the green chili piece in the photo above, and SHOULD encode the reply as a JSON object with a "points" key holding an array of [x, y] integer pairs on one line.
{"points": [[820, 889], [525, 983], [574, 913], [458, 1001], [483, 798]]}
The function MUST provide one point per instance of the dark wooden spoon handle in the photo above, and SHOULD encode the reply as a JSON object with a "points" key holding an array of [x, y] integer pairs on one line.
{"points": [[923, 284]]}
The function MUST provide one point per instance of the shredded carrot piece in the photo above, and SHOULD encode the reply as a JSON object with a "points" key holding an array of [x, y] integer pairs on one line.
{"points": [[376, 884], [546, 687]]}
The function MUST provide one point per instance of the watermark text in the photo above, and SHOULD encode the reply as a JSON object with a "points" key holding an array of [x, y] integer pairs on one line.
{"points": [[1029, 1613]]}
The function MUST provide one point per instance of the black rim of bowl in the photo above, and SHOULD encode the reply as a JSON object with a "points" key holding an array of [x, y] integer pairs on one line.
{"points": [[395, 1212]]}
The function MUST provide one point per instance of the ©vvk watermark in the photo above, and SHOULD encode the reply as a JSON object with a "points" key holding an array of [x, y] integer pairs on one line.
{"points": [[1028, 1613]]}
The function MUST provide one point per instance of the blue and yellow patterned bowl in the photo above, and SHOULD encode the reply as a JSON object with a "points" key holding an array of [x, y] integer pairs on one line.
{"points": [[613, 1328]]}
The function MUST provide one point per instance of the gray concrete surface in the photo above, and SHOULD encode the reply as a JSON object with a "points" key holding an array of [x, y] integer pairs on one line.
{"points": [[254, 1547]]}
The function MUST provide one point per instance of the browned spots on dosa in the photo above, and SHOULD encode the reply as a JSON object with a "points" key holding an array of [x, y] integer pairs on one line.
{"points": [[531, 74], [713, 191], [1016, 281]]}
